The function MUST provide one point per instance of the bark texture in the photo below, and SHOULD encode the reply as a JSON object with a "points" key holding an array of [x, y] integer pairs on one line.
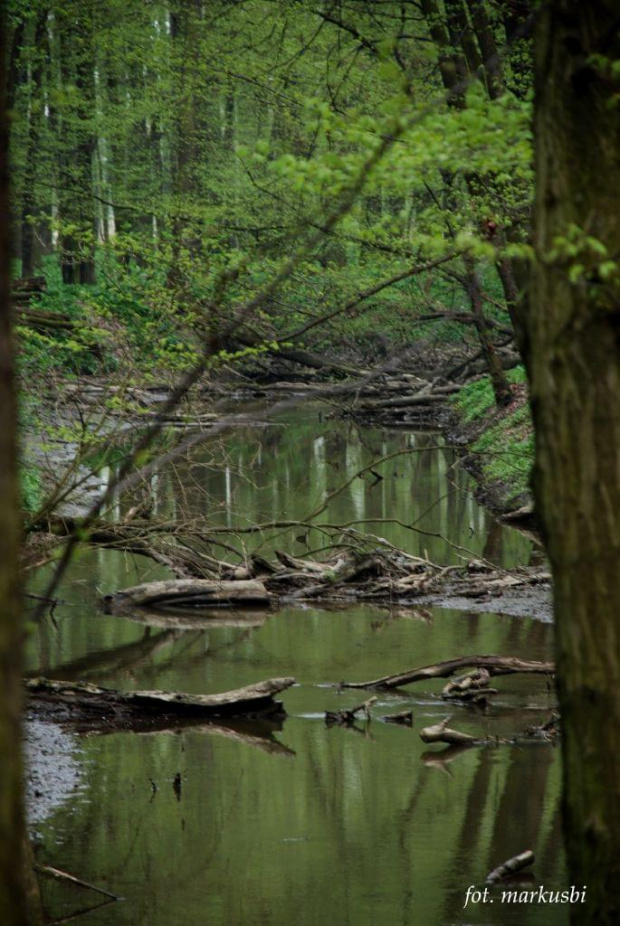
{"points": [[12, 891], [573, 357]]}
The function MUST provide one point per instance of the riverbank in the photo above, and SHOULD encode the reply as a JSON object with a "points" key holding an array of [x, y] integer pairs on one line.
{"points": [[498, 443]]}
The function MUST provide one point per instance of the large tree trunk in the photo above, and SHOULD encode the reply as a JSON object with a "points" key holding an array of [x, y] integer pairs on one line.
{"points": [[12, 892], [574, 362]]}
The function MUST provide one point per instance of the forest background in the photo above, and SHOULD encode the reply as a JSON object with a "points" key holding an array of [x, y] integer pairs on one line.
{"points": [[207, 184]]}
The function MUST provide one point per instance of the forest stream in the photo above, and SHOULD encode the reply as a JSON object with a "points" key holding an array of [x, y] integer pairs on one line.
{"points": [[296, 822]]}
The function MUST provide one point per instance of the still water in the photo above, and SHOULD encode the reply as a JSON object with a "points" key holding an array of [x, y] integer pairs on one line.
{"points": [[298, 823]]}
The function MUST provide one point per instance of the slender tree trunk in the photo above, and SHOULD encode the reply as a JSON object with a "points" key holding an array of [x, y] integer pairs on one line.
{"points": [[488, 48], [453, 67], [574, 364], [12, 890], [501, 387], [77, 144], [28, 198]]}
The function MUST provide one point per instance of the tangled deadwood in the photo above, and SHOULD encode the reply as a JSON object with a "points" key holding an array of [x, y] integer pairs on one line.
{"points": [[380, 576], [346, 717], [473, 687]]}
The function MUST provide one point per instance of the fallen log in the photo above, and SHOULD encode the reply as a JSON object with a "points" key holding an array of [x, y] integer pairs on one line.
{"points": [[47, 321], [189, 593], [427, 398], [74, 701], [514, 864], [495, 665], [441, 733], [295, 354]]}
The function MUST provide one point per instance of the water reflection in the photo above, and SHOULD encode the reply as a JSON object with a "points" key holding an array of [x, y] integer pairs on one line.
{"points": [[418, 498], [242, 825]]}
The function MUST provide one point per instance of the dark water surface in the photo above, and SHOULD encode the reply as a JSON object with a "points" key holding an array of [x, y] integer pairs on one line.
{"points": [[305, 824]]}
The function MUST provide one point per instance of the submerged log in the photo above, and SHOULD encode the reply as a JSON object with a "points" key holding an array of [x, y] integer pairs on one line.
{"points": [[405, 718], [70, 700], [495, 665], [189, 593], [514, 864]]}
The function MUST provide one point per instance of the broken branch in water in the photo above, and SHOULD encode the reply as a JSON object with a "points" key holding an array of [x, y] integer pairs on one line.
{"points": [[472, 687], [495, 665], [60, 875], [548, 730], [441, 733], [347, 717], [514, 864]]}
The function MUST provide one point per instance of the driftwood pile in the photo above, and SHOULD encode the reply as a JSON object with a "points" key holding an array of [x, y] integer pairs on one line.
{"points": [[403, 398], [385, 576], [378, 576]]}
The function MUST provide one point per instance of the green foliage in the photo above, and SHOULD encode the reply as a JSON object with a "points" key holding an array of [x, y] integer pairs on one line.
{"points": [[31, 488], [224, 138], [476, 399], [505, 444]]}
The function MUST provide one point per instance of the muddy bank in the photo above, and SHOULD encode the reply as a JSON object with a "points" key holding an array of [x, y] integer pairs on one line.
{"points": [[52, 772], [532, 601]]}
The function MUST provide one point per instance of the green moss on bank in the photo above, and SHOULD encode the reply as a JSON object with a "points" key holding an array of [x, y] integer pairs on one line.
{"points": [[502, 440]]}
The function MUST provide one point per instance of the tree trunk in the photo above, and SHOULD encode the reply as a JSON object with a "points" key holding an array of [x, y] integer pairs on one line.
{"points": [[77, 144], [453, 66], [28, 200], [574, 364], [501, 387], [12, 891]]}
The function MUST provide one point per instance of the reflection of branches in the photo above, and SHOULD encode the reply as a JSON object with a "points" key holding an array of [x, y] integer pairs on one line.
{"points": [[103, 662]]}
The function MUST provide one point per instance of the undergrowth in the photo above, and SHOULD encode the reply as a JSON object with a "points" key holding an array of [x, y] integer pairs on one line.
{"points": [[504, 441]]}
